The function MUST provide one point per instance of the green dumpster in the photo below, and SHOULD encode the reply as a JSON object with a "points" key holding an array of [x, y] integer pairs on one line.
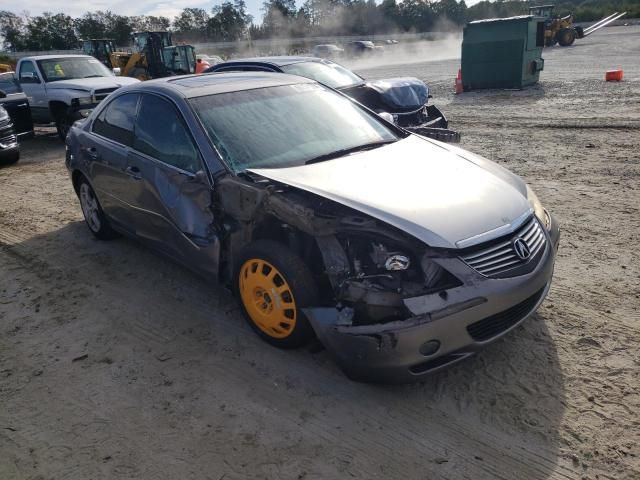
{"points": [[502, 52]]}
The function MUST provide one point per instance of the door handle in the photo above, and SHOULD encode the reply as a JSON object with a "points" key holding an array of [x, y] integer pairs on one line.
{"points": [[92, 153], [133, 172]]}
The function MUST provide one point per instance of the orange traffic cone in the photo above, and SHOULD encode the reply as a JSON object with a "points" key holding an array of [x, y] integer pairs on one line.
{"points": [[459, 87]]}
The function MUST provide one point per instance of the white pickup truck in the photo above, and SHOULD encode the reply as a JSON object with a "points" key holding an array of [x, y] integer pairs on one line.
{"points": [[65, 88]]}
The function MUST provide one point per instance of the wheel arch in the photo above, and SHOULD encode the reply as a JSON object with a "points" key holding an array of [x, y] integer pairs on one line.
{"points": [[57, 108]]}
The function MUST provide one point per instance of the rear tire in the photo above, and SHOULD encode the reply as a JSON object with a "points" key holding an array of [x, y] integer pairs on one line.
{"points": [[272, 285], [94, 216], [566, 37]]}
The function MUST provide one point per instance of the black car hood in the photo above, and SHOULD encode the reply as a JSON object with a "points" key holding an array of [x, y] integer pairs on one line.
{"points": [[392, 95]]}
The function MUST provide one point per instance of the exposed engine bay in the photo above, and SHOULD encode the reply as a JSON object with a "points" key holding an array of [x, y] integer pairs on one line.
{"points": [[361, 264]]}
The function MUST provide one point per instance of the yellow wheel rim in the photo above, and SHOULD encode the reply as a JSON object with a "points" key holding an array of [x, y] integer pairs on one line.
{"points": [[267, 298]]}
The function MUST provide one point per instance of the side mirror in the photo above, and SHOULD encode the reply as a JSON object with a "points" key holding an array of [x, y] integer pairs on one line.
{"points": [[3, 94], [200, 177], [29, 77]]}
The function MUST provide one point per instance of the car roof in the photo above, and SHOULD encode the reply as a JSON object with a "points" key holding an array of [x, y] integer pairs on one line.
{"points": [[191, 86], [46, 57], [278, 61]]}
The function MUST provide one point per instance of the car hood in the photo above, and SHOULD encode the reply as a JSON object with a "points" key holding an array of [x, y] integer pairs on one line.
{"points": [[91, 84], [442, 195]]}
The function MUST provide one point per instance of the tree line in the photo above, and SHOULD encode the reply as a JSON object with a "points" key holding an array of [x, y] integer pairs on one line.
{"points": [[230, 21]]}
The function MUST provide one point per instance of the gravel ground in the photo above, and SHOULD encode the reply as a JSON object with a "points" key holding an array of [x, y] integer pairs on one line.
{"points": [[116, 363]]}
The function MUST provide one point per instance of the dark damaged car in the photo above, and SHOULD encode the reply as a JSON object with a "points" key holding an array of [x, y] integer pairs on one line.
{"points": [[403, 100], [401, 254]]}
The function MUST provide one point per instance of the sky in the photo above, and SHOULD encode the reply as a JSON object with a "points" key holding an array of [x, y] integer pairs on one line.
{"points": [[76, 8]]}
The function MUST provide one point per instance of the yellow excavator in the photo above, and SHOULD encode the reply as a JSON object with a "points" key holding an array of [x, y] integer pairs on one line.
{"points": [[154, 56], [100, 48], [561, 30]]}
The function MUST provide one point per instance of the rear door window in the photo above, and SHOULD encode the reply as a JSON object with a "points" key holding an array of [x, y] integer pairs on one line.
{"points": [[162, 134], [116, 121]]}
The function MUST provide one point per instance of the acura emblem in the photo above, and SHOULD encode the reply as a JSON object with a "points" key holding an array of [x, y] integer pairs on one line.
{"points": [[521, 248]]}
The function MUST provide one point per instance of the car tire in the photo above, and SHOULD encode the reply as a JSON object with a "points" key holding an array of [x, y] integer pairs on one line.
{"points": [[94, 216], [10, 158], [272, 285]]}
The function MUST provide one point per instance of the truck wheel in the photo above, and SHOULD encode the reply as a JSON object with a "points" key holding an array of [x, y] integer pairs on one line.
{"points": [[566, 37], [272, 285], [63, 125], [93, 214]]}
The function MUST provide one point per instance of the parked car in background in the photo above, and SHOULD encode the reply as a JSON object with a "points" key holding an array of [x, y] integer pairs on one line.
{"points": [[210, 59], [15, 118], [65, 88], [327, 51], [360, 48], [404, 100], [401, 254], [9, 150]]}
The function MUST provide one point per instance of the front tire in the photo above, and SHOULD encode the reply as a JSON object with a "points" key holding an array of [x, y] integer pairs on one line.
{"points": [[94, 216], [273, 284], [64, 123], [566, 37]]}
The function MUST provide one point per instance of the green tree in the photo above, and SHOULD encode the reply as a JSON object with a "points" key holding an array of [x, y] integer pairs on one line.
{"points": [[51, 32], [191, 23], [12, 30]]}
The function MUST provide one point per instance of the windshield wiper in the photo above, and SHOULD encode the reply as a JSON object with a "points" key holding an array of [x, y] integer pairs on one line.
{"points": [[93, 76], [346, 151]]}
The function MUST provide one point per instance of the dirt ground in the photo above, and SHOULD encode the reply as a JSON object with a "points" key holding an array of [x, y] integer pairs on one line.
{"points": [[118, 364]]}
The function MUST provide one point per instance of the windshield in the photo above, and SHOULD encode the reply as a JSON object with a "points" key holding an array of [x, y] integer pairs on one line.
{"points": [[327, 73], [285, 126], [67, 68]]}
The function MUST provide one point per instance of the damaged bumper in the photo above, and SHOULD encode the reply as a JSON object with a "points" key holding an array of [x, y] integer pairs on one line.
{"points": [[436, 127], [443, 329]]}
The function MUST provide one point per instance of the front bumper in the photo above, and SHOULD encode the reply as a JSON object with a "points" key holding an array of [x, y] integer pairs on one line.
{"points": [[436, 127], [469, 318]]}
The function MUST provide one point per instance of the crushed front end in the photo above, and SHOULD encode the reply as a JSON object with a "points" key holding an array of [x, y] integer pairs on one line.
{"points": [[402, 314], [406, 100]]}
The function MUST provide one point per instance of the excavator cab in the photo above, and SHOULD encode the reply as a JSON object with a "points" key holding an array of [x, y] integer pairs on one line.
{"points": [[544, 11], [180, 59], [100, 48]]}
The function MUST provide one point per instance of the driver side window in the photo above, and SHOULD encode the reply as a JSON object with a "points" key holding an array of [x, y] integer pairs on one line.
{"points": [[162, 134], [30, 69]]}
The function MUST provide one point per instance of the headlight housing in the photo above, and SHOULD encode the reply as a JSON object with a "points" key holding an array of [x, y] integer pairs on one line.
{"points": [[84, 100], [538, 209], [3, 114]]}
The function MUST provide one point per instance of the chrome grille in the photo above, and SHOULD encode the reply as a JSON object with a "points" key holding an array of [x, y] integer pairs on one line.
{"points": [[9, 141], [499, 257], [102, 93]]}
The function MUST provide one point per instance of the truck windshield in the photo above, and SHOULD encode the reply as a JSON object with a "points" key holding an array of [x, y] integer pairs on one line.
{"points": [[285, 126], [67, 68]]}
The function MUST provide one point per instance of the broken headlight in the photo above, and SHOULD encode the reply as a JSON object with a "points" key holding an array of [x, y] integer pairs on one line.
{"points": [[538, 209], [390, 261]]}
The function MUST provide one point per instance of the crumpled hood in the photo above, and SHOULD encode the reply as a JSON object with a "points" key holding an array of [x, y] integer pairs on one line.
{"points": [[425, 188], [406, 93], [90, 84]]}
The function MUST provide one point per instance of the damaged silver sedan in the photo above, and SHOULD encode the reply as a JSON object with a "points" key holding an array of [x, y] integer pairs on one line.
{"points": [[400, 254]]}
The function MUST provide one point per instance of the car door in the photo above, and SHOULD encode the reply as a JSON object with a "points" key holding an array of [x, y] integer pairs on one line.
{"points": [[106, 149], [33, 86], [172, 194]]}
